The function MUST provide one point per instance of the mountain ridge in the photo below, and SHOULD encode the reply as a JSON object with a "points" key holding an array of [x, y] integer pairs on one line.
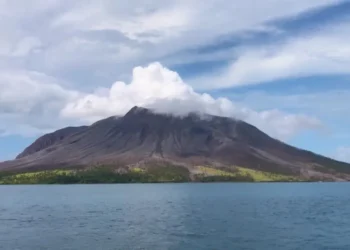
{"points": [[142, 136]]}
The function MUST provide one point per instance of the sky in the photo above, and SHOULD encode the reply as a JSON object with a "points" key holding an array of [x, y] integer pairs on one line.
{"points": [[281, 65]]}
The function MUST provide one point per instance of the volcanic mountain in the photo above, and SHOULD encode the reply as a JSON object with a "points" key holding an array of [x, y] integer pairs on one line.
{"points": [[142, 136]]}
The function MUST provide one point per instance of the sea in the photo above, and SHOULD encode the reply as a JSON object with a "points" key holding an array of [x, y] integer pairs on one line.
{"points": [[191, 216]]}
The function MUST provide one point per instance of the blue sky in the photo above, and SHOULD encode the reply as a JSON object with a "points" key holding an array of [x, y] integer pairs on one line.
{"points": [[282, 65]]}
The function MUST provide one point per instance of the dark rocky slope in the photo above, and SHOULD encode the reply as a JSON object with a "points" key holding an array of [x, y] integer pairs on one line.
{"points": [[143, 136], [49, 140]]}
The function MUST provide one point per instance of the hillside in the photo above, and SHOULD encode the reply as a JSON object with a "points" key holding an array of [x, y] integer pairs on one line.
{"points": [[203, 145]]}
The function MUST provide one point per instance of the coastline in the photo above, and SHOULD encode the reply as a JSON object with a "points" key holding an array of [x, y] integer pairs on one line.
{"points": [[169, 182], [153, 175]]}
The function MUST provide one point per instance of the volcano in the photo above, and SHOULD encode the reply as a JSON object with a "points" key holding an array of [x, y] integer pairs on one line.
{"points": [[143, 136]]}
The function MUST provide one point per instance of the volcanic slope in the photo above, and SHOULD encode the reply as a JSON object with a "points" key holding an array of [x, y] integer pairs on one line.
{"points": [[143, 136]]}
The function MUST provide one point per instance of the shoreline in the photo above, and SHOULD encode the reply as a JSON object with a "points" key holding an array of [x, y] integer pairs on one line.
{"points": [[164, 183], [153, 175]]}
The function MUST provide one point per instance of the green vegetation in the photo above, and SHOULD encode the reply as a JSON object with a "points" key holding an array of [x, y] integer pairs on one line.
{"points": [[261, 176], [42, 177], [158, 173], [208, 174], [208, 171], [167, 173], [102, 174], [242, 174]]}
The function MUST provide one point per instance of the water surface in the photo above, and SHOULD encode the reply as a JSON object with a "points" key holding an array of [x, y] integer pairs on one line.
{"points": [[306, 216]]}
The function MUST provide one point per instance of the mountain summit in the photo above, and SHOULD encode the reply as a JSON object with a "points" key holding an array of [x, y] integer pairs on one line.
{"points": [[142, 136]]}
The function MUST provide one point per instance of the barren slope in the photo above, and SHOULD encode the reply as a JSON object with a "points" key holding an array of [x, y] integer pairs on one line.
{"points": [[142, 136]]}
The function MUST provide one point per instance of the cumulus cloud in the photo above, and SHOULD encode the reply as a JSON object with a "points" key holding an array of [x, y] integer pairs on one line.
{"points": [[91, 43], [33, 103], [164, 91], [343, 154]]}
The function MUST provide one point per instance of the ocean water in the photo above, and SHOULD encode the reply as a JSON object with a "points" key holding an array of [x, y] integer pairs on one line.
{"points": [[306, 216]]}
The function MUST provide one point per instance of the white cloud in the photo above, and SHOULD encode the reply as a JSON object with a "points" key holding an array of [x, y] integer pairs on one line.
{"points": [[209, 18], [125, 33], [61, 38], [82, 53], [26, 46], [30, 103], [327, 103], [318, 53], [135, 21], [164, 91], [158, 29], [343, 154]]}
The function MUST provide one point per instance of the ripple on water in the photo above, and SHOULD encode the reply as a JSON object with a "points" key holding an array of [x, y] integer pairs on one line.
{"points": [[181, 216]]}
